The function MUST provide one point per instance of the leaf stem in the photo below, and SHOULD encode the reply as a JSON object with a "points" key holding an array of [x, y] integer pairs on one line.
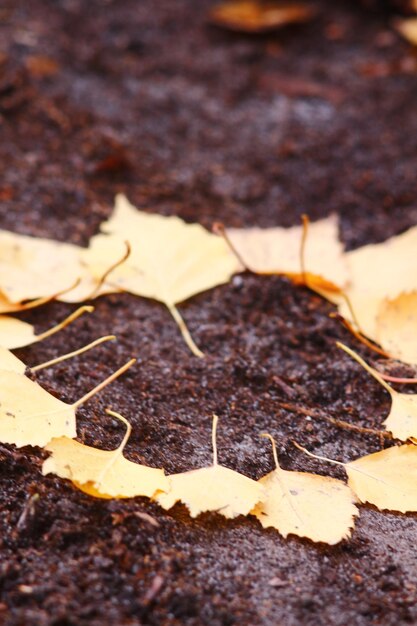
{"points": [[71, 318], [316, 456], [213, 438], [70, 355], [366, 367], [184, 331], [274, 448], [104, 383]]}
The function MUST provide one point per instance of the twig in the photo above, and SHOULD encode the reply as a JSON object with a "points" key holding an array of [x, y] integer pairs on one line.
{"points": [[316, 413]]}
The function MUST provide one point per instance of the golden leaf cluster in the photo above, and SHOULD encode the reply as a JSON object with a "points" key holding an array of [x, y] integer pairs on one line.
{"points": [[170, 261]]}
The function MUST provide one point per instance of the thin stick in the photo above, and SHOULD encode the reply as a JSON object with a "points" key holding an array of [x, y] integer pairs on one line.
{"points": [[184, 331], [213, 438], [339, 423], [274, 448], [111, 269], [366, 367], [70, 355], [219, 229], [359, 336], [104, 383], [399, 380], [71, 318], [316, 456]]}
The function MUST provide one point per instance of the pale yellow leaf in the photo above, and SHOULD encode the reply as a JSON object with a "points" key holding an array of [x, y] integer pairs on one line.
{"points": [[408, 29], [10, 362], [170, 260], [29, 415], [15, 333], [278, 251], [33, 267], [402, 418], [387, 479], [396, 327], [307, 505], [378, 272], [214, 488], [102, 473]]}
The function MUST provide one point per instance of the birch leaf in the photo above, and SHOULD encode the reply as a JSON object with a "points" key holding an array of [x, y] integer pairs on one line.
{"points": [[10, 362], [408, 29], [214, 488], [29, 415], [170, 260], [378, 272], [307, 505], [15, 333], [396, 327], [402, 418], [278, 251], [387, 479], [102, 473], [32, 267]]}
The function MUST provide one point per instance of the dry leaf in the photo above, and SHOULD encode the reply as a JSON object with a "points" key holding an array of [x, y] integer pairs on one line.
{"points": [[40, 269], [10, 362], [402, 418], [102, 473], [378, 272], [33, 267], [15, 333], [215, 488], [408, 29], [387, 479], [249, 16], [170, 260], [307, 505], [278, 251], [29, 415], [396, 327]]}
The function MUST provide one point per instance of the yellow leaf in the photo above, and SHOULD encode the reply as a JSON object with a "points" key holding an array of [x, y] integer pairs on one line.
{"points": [[408, 29], [15, 333], [33, 267], [378, 272], [215, 488], [402, 418], [307, 505], [29, 415], [170, 260], [10, 362], [254, 17], [278, 251], [387, 479], [396, 326], [102, 473]]}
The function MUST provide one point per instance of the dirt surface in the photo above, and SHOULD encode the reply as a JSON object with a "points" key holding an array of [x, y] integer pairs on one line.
{"points": [[148, 99]]}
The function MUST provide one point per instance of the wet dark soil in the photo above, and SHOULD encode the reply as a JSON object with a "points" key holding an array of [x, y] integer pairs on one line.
{"points": [[147, 99]]}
